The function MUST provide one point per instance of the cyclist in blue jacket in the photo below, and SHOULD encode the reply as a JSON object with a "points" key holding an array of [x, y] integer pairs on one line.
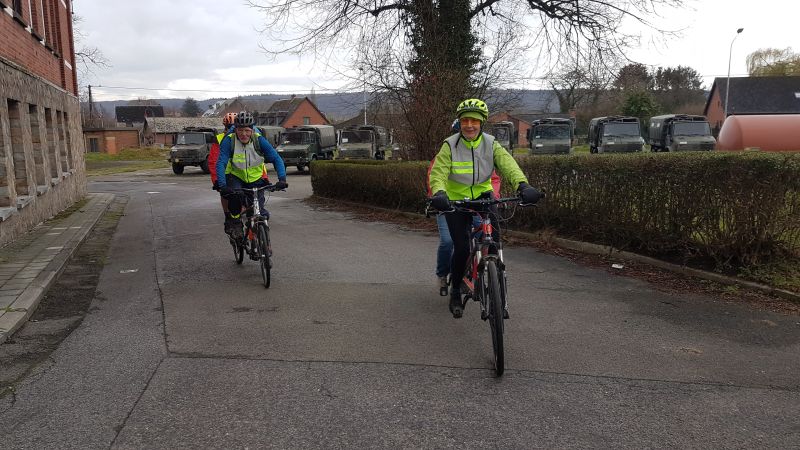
{"points": [[247, 152]]}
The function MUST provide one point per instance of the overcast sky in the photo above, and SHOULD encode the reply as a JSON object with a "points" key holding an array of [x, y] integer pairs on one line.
{"points": [[205, 48]]}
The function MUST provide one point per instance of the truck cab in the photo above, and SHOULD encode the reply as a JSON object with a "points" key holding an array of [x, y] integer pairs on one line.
{"points": [[192, 146], [357, 144], [680, 132], [505, 134], [301, 145], [615, 134], [551, 136]]}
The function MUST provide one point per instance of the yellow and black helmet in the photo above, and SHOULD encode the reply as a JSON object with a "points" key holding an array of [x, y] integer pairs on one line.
{"points": [[473, 107]]}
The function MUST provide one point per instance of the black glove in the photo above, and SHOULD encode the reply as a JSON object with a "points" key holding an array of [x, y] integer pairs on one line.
{"points": [[215, 186], [528, 194], [440, 201], [281, 185], [226, 191]]}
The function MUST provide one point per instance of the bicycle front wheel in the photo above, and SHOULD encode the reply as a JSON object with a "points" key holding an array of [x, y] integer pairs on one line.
{"points": [[263, 253], [495, 311], [238, 251]]}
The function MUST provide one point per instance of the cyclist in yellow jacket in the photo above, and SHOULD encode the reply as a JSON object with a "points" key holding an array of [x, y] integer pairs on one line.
{"points": [[463, 170], [247, 151]]}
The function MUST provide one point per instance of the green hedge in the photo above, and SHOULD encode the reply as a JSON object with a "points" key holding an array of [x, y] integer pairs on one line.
{"points": [[730, 208]]}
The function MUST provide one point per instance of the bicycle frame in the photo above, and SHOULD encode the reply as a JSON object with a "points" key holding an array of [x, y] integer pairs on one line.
{"points": [[481, 246]]}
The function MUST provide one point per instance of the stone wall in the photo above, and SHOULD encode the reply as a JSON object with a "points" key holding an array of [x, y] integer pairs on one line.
{"points": [[42, 168]]}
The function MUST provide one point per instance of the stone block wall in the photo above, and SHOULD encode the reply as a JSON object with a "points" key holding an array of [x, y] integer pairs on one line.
{"points": [[42, 168]]}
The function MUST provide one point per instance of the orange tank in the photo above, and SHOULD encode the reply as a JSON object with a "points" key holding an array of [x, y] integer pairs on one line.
{"points": [[768, 132]]}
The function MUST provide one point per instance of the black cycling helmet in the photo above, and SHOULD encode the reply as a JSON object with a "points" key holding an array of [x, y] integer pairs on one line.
{"points": [[244, 120]]}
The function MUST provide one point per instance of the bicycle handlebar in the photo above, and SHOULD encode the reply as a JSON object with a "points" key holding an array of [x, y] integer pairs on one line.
{"points": [[268, 187]]}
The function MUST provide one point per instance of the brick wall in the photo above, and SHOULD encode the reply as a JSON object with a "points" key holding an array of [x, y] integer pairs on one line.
{"points": [[126, 138], [305, 109], [42, 169], [39, 39]]}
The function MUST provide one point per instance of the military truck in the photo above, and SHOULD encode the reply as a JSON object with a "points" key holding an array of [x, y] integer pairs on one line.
{"points": [[363, 142], [615, 134], [552, 135], [505, 134], [301, 145], [272, 134], [680, 132], [191, 148]]}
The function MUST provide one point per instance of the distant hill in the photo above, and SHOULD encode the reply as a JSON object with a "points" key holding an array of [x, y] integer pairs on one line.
{"points": [[343, 106]]}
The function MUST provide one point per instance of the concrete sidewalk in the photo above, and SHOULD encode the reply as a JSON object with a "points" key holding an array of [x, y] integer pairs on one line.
{"points": [[30, 265]]}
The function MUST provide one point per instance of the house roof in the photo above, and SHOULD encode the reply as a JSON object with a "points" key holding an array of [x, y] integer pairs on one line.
{"points": [[177, 124], [759, 95], [137, 113]]}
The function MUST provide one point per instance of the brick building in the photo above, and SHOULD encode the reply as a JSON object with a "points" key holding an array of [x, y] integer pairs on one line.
{"points": [[42, 169], [292, 112]]}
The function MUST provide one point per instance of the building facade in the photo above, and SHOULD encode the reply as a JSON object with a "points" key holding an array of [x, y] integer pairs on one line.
{"points": [[42, 168]]}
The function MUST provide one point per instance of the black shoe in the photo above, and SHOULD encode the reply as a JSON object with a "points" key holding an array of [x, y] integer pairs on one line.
{"points": [[456, 307], [233, 228]]}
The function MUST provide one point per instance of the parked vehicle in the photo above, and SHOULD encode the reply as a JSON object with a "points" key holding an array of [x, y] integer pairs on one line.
{"points": [[272, 134], [680, 132], [552, 135], [363, 142], [615, 134], [505, 134], [301, 145], [191, 148]]}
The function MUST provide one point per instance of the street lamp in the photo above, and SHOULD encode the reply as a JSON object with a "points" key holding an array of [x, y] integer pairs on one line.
{"points": [[728, 87], [364, 80]]}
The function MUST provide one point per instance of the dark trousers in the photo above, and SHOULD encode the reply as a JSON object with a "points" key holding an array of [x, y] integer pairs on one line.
{"points": [[460, 225]]}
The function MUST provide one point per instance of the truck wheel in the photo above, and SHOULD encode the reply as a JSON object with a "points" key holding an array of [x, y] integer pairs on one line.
{"points": [[177, 169], [204, 167]]}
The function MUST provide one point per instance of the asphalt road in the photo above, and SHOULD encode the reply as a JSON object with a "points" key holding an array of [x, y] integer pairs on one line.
{"points": [[353, 347]]}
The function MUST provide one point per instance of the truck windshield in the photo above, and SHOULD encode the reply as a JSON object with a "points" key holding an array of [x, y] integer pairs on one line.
{"points": [[190, 139], [551, 132], [691, 129], [621, 129], [501, 134], [296, 138], [356, 137]]}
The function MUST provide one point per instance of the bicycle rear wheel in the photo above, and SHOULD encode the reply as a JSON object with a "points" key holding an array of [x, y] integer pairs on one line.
{"points": [[263, 253], [495, 310]]}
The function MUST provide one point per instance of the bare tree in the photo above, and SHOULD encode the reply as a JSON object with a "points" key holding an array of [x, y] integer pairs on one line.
{"points": [[773, 62], [86, 55], [416, 49]]}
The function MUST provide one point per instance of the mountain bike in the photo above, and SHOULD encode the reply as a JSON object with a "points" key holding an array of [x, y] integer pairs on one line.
{"points": [[485, 274], [255, 239]]}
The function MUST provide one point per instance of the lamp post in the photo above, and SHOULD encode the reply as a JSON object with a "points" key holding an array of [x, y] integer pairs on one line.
{"points": [[364, 81], [728, 87]]}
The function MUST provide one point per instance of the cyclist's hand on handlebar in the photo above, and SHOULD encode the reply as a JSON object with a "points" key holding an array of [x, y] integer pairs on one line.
{"points": [[440, 201], [226, 191], [529, 195], [281, 185]]}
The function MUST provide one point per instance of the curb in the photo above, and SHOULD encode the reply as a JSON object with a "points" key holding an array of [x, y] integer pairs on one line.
{"points": [[597, 249], [28, 300]]}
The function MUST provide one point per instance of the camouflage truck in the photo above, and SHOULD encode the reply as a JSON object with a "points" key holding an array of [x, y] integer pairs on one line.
{"points": [[505, 134], [615, 134], [680, 132], [301, 145], [363, 142], [192, 146], [550, 136]]}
